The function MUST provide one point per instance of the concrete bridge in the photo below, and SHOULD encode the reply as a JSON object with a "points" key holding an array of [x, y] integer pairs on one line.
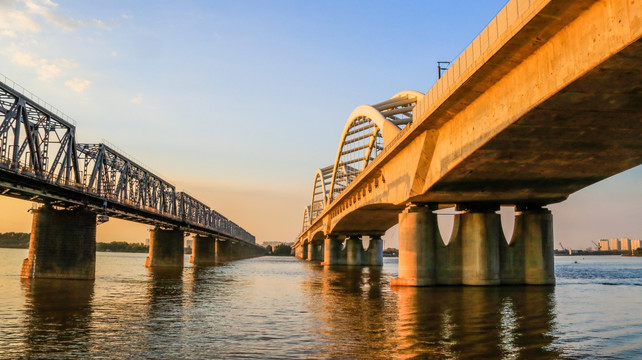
{"points": [[81, 185], [545, 101]]}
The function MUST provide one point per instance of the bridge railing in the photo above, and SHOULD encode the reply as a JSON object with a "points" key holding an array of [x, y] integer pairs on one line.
{"points": [[38, 143], [502, 27]]}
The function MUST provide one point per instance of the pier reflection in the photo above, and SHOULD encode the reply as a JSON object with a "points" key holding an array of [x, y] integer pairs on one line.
{"points": [[361, 317], [58, 316], [476, 322], [355, 312], [165, 299], [165, 288]]}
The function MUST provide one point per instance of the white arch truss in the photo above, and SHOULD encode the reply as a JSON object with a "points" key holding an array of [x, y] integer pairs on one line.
{"points": [[367, 130], [306, 219], [320, 189]]}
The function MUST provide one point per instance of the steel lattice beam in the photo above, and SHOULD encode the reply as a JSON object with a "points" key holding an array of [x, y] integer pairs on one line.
{"points": [[41, 161]]}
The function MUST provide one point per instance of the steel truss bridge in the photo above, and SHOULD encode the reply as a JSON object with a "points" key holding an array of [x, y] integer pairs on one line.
{"points": [[41, 161]]}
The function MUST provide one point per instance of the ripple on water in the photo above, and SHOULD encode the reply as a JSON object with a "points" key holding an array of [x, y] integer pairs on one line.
{"points": [[285, 308]]}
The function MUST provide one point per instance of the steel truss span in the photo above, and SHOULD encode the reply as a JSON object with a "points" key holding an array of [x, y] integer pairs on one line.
{"points": [[41, 161], [367, 131]]}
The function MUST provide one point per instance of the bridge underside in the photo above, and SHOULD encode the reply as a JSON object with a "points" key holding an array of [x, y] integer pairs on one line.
{"points": [[587, 132], [373, 219]]}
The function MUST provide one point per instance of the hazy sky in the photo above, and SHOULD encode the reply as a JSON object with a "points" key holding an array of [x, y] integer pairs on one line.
{"points": [[238, 102]]}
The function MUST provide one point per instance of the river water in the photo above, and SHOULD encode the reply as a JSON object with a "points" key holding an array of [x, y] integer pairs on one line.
{"points": [[285, 308]]}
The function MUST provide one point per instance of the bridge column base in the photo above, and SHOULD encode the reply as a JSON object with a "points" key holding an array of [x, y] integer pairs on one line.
{"points": [[310, 253], [165, 248], [374, 254], [315, 252], [62, 245], [537, 232], [354, 250], [481, 235], [528, 259], [203, 251], [224, 251], [418, 233], [332, 251], [302, 251]]}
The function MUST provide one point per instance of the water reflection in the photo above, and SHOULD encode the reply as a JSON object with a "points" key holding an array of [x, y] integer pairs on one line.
{"points": [[58, 317], [362, 318], [355, 315], [165, 290], [476, 322]]}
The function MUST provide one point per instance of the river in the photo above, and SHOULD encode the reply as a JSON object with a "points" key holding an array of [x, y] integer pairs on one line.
{"points": [[285, 308]]}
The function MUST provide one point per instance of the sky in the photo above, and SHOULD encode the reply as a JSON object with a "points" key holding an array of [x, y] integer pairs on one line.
{"points": [[239, 102]]}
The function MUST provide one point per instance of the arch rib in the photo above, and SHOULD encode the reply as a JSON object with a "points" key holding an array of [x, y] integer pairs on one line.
{"points": [[387, 128]]}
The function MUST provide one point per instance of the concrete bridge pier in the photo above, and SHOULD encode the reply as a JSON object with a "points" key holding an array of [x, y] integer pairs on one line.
{"points": [[354, 250], [62, 245], [418, 234], [166, 248], [223, 250], [315, 252], [481, 235], [528, 259], [333, 252], [302, 251], [374, 255], [203, 250], [310, 252]]}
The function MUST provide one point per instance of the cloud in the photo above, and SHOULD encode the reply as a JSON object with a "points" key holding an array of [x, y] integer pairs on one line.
{"points": [[114, 53], [48, 72], [44, 8], [78, 84], [24, 59], [137, 100], [25, 16], [13, 22], [45, 69]]}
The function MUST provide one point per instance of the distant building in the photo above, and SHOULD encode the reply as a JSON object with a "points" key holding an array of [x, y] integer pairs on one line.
{"points": [[147, 242], [615, 244], [188, 243], [636, 244], [625, 244], [604, 245]]}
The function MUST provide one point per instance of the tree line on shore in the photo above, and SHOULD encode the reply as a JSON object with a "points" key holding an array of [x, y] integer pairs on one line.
{"points": [[19, 240], [14, 240]]}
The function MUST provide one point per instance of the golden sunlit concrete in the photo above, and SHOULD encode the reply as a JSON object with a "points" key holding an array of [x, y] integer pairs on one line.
{"points": [[542, 104]]}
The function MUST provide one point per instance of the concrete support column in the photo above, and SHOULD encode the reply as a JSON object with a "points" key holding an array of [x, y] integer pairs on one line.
{"points": [[315, 252], [332, 251], [448, 257], [203, 250], [537, 233], [62, 245], [310, 254], [528, 259], [223, 250], [418, 232], [354, 249], [165, 248], [480, 234], [374, 254], [304, 251]]}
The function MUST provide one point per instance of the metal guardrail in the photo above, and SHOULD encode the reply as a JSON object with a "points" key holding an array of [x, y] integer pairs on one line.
{"points": [[36, 99]]}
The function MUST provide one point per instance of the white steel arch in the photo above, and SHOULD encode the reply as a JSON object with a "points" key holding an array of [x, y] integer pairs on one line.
{"points": [[320, 190], [367, 130], [306, 219]]}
